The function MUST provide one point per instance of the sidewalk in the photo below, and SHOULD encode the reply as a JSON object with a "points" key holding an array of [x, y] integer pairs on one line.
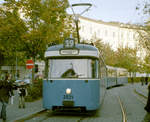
{"points": [[15, 113], [142, 89]]}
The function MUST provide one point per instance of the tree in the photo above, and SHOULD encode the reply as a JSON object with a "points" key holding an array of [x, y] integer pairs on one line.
{"points": [[144, 33], [146, 64], [45, 22], [127, 58], [11, 30], [106, 52]]}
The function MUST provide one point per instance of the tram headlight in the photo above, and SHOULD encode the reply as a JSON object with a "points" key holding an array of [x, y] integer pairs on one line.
{"points": [[68, 91]]}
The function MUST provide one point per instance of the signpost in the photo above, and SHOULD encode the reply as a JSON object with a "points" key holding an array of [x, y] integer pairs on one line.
{"points": [[29, 64]]}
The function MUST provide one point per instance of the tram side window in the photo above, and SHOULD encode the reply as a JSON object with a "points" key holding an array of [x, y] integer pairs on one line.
{"points": [[46, 68], [94, 66]]}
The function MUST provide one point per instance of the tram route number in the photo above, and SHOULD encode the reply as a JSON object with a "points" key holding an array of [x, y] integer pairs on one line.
{"points": [[70, 97]]}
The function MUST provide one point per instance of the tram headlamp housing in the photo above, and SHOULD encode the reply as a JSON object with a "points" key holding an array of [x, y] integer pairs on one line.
{"points": [[68, 91]]}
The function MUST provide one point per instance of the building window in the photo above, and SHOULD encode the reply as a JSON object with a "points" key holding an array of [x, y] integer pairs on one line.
{"points": [[106, 33], [90, 29], [82, 28], [122, 35], [113, 34]]}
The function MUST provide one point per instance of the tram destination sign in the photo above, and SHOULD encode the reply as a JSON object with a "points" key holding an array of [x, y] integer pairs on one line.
{"points": [[69, 51]]}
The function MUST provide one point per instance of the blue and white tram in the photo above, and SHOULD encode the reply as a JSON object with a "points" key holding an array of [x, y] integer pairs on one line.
{"points": [[116, 76], [74, 77]]}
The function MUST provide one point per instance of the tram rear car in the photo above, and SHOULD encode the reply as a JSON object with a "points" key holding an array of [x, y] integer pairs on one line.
{"points": [[116, 76], [73, 77]]}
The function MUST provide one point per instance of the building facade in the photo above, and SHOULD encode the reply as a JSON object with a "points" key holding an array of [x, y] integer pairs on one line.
{"points": [[116, 34]]}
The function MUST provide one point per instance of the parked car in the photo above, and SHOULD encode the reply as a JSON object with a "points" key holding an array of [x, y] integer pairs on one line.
{"points": [[26, 82]]}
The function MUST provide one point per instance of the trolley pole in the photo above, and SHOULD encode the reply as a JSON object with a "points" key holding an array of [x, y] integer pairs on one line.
{"points": [[76, 16], [77, 28]]}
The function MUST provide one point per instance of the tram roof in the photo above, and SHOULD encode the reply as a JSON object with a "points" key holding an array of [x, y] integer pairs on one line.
{"points": [[84, 50], [116, 68], [78, 46]]}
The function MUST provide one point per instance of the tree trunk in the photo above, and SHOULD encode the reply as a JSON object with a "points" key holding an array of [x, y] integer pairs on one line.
{"points": [[33, 70]]}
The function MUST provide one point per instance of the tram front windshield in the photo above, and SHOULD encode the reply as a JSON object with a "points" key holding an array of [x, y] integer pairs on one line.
{"points": [[73, 68]]}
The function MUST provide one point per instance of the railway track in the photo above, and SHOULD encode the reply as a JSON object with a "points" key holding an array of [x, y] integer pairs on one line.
{"points": [[45, 115], [124, 117]]}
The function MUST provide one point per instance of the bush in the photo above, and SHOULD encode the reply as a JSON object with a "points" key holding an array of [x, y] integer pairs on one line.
{"points": [[136, 79], [34, 91]]}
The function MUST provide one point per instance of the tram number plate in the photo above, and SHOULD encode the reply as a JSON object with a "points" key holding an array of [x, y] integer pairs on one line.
{"points": [[68, 103], [70, 97]]}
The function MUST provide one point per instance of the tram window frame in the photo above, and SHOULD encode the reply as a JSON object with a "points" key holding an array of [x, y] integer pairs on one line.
{"points": [[94, 66], [64, 58]]}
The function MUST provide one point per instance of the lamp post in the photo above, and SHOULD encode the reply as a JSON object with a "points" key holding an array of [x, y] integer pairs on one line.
{"points": [[16, 66], [77, 16]]}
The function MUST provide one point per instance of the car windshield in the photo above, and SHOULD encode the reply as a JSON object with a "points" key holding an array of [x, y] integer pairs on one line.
{"points": [[73, 68]]}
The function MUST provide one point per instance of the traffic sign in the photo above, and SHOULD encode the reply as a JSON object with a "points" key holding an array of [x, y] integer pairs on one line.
{"points": [[29, 64]]}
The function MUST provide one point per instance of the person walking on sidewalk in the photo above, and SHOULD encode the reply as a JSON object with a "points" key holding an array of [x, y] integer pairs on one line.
{"points": [[147, 107], [146, 80], [142, 80], [6, 91], [22, 93]]}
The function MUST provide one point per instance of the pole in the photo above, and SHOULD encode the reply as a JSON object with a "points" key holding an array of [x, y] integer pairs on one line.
{"points": [[77, 28], [16, 67], [76, 16]]}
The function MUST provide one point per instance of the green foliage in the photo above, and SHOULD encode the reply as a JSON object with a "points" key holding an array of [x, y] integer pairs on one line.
{"points": [[146, 64], [46, 20], [144, 9], [107, 53], [123, 57], [11, 30], [126, 58], [136, 80], [27, 27], [34, 91]]}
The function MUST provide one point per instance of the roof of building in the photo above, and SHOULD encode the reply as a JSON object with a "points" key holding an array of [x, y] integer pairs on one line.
{"points": [[116, 24]]}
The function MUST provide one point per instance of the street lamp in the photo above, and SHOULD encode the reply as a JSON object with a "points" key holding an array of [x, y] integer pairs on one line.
{"points": [[77, 15]]}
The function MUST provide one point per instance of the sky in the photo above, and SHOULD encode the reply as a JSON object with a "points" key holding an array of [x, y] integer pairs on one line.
{"points": [[123, 11]]}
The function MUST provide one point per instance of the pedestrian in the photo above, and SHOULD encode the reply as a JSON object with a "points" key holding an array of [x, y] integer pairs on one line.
{"points": [[147, 107], [142, 80], [22, 91], [146, 80], [132, 80], [6, 91]]}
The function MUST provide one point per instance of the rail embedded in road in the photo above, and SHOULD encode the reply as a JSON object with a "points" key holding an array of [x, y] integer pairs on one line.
{"points": [[124, 118]]}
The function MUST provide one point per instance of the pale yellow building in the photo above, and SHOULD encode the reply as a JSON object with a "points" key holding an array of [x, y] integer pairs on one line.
{"points": [[114, 33]]}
